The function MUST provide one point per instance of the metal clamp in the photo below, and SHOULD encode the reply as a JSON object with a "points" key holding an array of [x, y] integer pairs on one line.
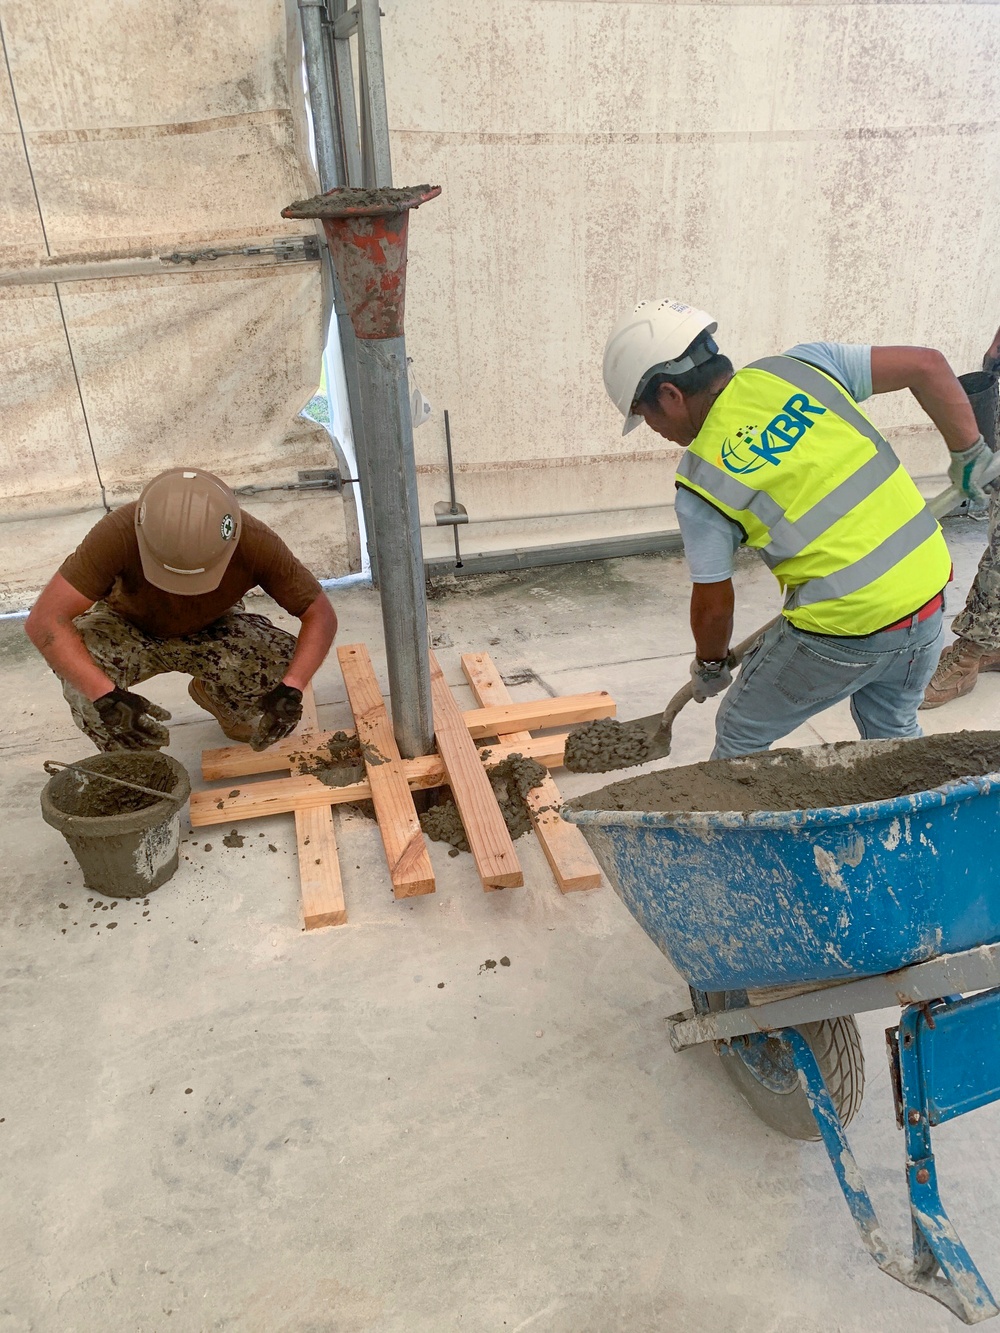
{"points": [[284, 250]]}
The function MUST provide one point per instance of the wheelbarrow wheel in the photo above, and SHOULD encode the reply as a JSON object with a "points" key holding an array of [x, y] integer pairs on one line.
{"points": [[767, 1079]]}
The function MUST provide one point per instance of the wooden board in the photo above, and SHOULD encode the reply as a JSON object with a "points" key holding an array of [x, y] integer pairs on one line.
{"points": [[277, 796], [566, 850], [320, 881], [238, 761], [487, 834], [405, 850], [319, 869]]}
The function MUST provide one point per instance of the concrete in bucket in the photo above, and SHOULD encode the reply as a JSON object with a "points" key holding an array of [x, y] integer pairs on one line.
{"points": [[126, 844]]}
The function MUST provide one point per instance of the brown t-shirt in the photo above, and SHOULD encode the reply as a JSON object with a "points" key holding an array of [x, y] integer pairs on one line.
{"points": [[106, 567]]}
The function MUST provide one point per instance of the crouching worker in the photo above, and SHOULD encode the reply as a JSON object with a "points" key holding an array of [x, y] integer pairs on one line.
{"points": [[156, 586]]}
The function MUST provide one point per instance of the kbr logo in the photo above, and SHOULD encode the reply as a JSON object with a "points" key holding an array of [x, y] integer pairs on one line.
{"points": [[782, 433], [735, 451]]}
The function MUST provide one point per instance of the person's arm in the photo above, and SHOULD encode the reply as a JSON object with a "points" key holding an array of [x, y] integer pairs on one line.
{"points": [[281, 708], [319, 626], [712, 619], [991, 361], [928, 376], [50, 628]]}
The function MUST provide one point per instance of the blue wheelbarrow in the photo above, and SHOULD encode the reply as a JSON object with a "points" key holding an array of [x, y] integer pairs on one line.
{"points": [[786, 924]]}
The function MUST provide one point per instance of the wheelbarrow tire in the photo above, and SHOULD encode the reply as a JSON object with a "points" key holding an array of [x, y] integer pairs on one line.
{"points": [[836, 1044]]}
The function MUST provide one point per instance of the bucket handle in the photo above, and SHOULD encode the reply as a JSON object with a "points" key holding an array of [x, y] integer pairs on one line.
{"points": [[52, 766]]}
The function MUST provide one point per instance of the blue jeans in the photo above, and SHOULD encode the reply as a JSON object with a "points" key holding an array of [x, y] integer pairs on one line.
{"points": [[788, 676]]}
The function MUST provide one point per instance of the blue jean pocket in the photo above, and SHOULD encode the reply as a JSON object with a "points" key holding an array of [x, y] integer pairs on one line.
{"points": [[810, 678]]}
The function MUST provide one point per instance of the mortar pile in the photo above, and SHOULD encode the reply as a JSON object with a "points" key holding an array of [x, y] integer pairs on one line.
{"points": [[512, 780]]}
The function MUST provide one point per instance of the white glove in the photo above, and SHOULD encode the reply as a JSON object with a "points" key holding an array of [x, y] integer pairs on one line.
{"points": [[710, 678], [967, 467]]}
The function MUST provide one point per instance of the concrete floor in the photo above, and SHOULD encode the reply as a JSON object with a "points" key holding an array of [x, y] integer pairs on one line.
{"points": [[210, 1120]]}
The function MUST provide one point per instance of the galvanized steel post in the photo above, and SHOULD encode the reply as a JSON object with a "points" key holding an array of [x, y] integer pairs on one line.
{"points": [[367, 232], [329, 138]]}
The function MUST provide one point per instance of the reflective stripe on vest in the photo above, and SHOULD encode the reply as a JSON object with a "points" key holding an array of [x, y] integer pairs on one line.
{"points": [[824, 599]]}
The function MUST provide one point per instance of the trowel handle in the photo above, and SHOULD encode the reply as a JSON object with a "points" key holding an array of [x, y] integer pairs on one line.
{"points": [[52, 767], [945, 502]]}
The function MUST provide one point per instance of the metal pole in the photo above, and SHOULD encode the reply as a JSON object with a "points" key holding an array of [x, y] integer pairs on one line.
{"points": [[320, 102], [395, 518], [374, 113], [330, 166], [367, 239], [451, 486], [338, 51]]}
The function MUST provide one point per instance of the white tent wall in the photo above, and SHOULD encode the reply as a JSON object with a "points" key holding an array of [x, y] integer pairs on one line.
{"points": [[804, 171], [130, 131]]}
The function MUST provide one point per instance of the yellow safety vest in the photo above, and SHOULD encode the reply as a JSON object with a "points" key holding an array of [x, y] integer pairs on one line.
{"points": [[789, 456]]}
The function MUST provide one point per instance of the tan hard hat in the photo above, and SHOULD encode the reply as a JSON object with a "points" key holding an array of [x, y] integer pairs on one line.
{"points": [[188, 525]]}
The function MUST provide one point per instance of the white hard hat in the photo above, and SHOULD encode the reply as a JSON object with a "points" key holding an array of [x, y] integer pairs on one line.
{"points": [[654, 335]]}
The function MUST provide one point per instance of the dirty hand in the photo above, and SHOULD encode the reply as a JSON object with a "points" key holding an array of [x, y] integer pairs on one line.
{"points": [[967, 467], [991, 361], [281, 709], [709, 678], [132, 721]]}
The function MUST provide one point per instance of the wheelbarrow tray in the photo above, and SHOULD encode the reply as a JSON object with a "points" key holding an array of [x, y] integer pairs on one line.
{"points": [[779, 898]]}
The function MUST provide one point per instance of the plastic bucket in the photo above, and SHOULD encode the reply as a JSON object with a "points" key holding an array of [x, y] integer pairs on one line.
{"points": [[126, 843], [982, 392]]}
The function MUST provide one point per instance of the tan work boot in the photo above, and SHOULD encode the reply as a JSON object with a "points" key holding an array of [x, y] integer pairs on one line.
{"points": [[957, 672], [234, 729]]}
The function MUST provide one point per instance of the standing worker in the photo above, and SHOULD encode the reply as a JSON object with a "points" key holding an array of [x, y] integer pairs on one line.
{"points": [[977, 647], [156, 586], [780, 458]]}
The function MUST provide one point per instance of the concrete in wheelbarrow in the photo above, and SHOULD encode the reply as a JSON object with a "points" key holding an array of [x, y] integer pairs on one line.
{"points": [[210, 1120]]}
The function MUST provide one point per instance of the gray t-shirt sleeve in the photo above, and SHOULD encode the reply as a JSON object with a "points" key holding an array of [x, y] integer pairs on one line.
{"points": [[850, 364], [710, 539]]}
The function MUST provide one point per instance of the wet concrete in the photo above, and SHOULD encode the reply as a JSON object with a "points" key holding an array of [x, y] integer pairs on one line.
{"points": [[848, 773], [511, 780], [598, 747], [76, 794]]}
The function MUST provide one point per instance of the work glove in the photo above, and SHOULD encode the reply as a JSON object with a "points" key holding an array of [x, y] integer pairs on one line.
{"points": [[281, 710], [967, 467], [710, 678], [132, 721]]}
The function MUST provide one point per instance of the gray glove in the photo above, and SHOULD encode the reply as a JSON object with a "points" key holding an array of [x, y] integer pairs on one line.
{"points": [[967, 467], [710, 678], [131, 721], [281, 711]]}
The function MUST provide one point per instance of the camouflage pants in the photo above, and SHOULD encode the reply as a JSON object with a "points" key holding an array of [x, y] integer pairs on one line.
{"points": [[980, 618], [238, 658]]}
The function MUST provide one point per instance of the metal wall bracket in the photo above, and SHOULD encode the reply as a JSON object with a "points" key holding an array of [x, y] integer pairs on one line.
{"points": [[448, 512], [311, 479], [284, 250]]}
